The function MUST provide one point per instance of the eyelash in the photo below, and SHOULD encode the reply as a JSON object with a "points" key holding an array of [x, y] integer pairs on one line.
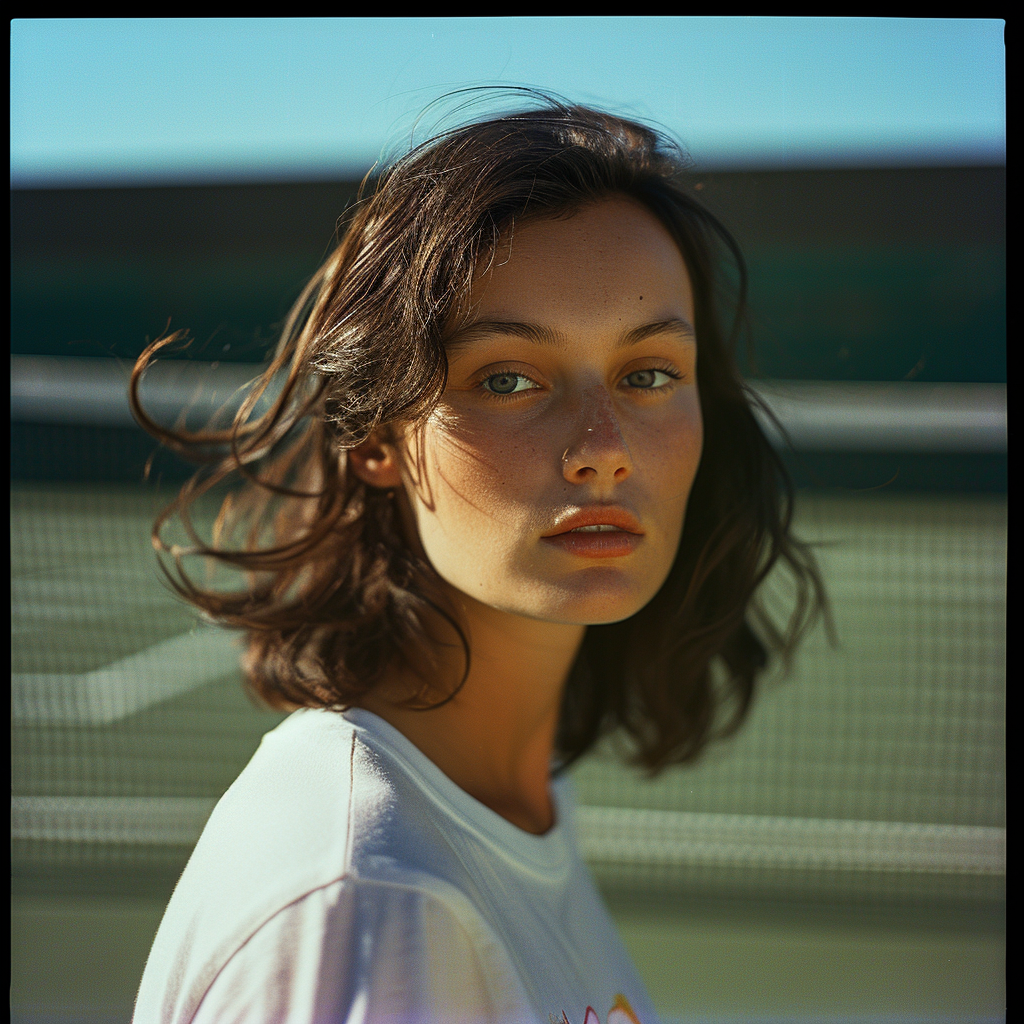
{"points": [[675, 375]]}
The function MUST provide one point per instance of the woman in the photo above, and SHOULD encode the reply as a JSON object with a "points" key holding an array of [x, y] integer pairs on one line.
{"points": [[511, 498]]}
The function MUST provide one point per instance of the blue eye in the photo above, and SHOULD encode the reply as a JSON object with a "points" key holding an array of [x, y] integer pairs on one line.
{"points": [[648, 379], [507, 383]]}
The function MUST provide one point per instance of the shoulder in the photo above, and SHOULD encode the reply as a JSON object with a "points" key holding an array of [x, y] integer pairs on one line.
{"points": [[317, 836], [290, 821]]}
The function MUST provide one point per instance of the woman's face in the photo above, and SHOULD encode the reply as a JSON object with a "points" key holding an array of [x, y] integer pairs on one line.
{"points": [[571, 402]]}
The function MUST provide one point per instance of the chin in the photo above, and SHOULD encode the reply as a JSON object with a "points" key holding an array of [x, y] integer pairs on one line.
{"points": [[598, 603]]}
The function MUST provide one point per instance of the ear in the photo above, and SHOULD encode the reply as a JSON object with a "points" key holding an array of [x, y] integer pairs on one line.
{"points": [[376, 463]]}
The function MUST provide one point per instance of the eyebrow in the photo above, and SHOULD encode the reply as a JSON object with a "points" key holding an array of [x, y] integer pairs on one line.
{"points": [[541, 335]]}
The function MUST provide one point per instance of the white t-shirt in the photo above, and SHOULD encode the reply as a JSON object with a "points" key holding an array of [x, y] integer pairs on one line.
{"points": [[345, 877]]}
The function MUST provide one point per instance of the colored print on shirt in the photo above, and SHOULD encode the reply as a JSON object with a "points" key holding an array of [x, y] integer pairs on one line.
{"points": [[620, 1013]]}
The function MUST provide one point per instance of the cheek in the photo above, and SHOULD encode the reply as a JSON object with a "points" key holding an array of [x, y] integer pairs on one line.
{"points": [[670, 449], [478, 493], [466, 468]]}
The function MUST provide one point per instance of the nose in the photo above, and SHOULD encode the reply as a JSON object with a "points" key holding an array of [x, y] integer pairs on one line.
{"points": [[598, 452]]}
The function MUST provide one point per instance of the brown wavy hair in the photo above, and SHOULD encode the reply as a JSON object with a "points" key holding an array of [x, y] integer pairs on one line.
{"points": [[334, 596]]}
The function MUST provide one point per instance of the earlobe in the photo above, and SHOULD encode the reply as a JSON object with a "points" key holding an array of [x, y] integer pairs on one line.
{"points": [[376, 463]]}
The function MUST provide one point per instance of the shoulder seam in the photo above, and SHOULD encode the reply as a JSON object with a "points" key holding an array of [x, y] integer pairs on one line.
{"points": [[351, 800]]}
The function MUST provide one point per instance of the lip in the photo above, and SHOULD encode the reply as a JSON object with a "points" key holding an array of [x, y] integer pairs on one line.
{"points": [[621, 541], [597, 515]]}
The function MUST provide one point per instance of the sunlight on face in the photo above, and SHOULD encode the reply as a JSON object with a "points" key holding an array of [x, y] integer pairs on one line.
{"points": [[552, 479]]}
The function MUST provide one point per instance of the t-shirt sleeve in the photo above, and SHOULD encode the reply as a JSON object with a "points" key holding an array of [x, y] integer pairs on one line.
{"points": [[367, 952]]}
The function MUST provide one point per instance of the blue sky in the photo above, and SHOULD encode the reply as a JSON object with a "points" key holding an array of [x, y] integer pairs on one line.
{"points": [[122, 101]]}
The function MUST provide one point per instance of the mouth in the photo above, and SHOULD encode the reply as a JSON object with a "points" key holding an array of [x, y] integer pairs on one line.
{"points": [[597, 532]]}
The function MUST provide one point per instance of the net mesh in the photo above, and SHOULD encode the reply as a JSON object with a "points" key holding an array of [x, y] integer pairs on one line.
{"points": [[874, 769]]}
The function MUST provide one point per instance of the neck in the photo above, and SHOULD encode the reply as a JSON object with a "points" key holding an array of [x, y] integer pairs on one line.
{"points": [[495, 739]]}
